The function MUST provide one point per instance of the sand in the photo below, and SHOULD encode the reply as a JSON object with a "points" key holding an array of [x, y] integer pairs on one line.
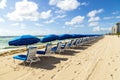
{"points": [[96, 61]]}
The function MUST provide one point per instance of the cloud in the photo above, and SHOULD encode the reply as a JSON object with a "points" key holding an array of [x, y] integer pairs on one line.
{"points": [[111, 17], [84, 4], [3, 4], [21, 25], [2, 20], [27, 10], [54, 18], [92, 24], [118, 17], [66, 5], [94, 19], [116, 12], [60, 16], [107, 18], [45, 15], [38, 24], [94, 12], [50, 21], [97, 29], [76, 20]]}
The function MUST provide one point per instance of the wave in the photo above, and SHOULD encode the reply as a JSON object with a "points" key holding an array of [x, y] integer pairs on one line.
{"points": [[10, 47]]}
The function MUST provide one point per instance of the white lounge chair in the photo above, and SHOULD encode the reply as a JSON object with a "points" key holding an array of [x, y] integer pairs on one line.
{"points": [[47, 51], [30, 57]]}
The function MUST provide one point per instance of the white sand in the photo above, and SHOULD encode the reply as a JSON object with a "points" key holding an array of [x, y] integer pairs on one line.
{"points": [[98, 61]]}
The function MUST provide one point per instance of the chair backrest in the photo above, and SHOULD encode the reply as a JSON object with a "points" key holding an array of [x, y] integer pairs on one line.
{"points": [[31, 53], [67, 45], [59, 44], [73, 43], [48, 48]]}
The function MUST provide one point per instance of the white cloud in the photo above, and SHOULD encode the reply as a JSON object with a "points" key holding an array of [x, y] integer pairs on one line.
{"points": [[27, 10], [60, 16], [94, 12], [66, 5], [50, 21], [76, 20], [94, 19], [97, 29], [118, 17], [38, 24], [3, 4], [59, 11], [2, 20], [45, 15], [116, 12], [21, 25], [92, 24], [84, 4], [107, 18], [54, 18]]}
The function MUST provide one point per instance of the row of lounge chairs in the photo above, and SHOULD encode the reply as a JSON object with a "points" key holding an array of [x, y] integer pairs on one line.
{"points": [[49, 49]]}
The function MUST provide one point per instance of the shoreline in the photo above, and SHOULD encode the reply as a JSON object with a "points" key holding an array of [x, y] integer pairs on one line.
{"points": [[7, 52]]}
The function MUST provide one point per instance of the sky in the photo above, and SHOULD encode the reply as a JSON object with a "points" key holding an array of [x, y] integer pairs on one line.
{"points": [[42, 17]]}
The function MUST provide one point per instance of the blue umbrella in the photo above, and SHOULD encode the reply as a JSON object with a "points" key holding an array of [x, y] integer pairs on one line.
{"points": [[49, 38], [24, 40], [64, 36]]}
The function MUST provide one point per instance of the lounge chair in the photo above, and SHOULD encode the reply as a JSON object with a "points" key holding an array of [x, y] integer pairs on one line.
{"points": [[47, 51], [58, 48], [66, 45], [29, 57]]}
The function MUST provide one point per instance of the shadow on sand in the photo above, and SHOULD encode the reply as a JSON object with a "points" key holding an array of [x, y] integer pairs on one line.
{"points": [[69, 52], [46, 62]]}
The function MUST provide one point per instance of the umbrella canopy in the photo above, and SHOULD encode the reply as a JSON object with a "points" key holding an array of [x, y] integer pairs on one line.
{"points": [[24, 40], [49, 38], [65, 36]]}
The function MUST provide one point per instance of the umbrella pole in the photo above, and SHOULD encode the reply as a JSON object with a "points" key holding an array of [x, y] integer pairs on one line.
{"points": [[27, 48]]}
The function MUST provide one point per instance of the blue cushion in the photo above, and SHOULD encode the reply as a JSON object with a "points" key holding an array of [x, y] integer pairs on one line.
{"points": [[54, 48], [20, 57], [40, 52]]}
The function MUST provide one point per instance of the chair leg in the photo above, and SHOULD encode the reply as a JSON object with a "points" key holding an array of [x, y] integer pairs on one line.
{"points": [[30, 63], [24, 63], [14, 61]]}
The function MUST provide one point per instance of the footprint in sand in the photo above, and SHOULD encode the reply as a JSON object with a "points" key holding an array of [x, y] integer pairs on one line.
{"points": [[73, 79], [58, 70], [108, 63], [113, 60], [75, 71], [115, 69], [79, 63], [111, 76], [41, 76], [53, 76], [117, 56]]}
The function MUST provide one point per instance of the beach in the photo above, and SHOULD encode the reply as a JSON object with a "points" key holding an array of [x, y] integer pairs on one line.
{"points": [[99, 60]]}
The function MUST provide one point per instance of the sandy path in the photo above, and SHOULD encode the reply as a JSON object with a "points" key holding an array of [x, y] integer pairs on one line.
{"points": [[98, 61]]}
